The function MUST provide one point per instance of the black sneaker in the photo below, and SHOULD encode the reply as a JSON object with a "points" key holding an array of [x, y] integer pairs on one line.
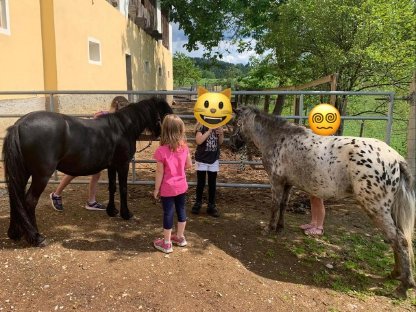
{"points": [[213, 211], [56, 202], [196, 208]]}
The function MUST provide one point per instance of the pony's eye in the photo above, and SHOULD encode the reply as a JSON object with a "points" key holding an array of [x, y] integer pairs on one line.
{"points": [[206, 104], [220, 105]]}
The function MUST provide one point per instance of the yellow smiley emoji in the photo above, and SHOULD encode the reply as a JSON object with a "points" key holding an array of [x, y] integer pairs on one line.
{"points": [[324, 119], [213, 110]]}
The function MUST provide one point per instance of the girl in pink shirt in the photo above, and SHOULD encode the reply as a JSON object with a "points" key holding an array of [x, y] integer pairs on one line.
{"points": [[172, 158]]}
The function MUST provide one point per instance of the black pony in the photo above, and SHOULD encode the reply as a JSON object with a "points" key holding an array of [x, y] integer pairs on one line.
{"points": [[41, 142]]}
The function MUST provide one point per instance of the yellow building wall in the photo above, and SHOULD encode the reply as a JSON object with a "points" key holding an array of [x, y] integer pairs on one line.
{"points": [[76, 21], [48, 50], [21, 61]]}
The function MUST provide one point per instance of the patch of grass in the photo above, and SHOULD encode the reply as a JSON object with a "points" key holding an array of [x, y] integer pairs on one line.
{"points": [[367, 253], [390, 285], [307, 247], [363, 257], [299, 251], [314, 247], [321, 278], [270, 253], [358, 261], [350, 265], [341, 285]]}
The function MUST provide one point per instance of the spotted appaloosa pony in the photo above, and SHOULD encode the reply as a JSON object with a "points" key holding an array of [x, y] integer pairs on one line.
{"points": [[335, 167]]}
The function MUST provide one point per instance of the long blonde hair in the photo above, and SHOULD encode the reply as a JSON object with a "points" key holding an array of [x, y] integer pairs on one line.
{"points": [[173, 132]]}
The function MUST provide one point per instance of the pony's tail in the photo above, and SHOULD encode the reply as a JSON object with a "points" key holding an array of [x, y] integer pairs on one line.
{"points": [[14, 172], [403, 209]]}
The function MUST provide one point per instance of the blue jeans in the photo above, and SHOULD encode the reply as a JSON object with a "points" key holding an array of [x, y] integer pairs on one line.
{"points": [[170, 204]]}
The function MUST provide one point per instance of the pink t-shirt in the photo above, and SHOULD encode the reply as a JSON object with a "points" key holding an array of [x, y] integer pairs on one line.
{"points": [[174, 178]]}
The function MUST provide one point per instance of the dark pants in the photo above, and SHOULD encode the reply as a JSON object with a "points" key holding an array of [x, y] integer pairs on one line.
{"points": [[212, 186], [170, 204]]}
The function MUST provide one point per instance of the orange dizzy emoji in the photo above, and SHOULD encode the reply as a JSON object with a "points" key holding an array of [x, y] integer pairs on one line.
{"points": [[324, 119], [213, 109]]}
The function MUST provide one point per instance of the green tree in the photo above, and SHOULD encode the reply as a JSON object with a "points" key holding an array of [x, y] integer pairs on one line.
{"points": [[185, 71], [207, 74], [369, 43], [260, 75], [207, 24]]}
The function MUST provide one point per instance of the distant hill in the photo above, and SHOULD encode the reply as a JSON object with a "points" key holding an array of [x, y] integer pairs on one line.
{"points": [[220, 69]]}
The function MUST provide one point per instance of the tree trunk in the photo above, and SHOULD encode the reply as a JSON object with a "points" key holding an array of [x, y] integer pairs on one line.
{"points": [[280, 101], [411, 129], [341, 105], [297, 109], [266, 103]]}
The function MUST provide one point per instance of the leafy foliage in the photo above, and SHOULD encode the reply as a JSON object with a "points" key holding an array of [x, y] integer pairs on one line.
{"points": [[369, 43], [206, 24], [185, 70], [220, 69], [259, 77]]}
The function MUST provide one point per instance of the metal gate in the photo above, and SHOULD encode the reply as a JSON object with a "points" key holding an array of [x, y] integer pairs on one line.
{"points": [[51, 97]]}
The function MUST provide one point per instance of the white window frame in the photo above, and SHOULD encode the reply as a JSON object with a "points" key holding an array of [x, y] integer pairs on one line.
{"points": [[6, 30], [93, 40]]}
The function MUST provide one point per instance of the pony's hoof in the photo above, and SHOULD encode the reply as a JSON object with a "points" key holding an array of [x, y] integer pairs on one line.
{"points": [[279, 229], [38, 241], [14, 234], [394, 274], [400, 292], [266, 231], [127, 216], [42, 243], [112, 212]]}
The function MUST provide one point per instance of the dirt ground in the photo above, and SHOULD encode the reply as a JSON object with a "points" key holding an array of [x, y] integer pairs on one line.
{"points": [[96, 263]]}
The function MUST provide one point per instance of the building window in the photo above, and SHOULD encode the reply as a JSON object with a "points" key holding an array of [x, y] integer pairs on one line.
{"points": [[94, 51], [114, 3], [4, 17], [160, 71], [147, 67]]}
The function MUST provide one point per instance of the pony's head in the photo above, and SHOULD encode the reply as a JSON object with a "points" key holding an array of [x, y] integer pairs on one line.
{"points": [[162, 109], [237, 138]]}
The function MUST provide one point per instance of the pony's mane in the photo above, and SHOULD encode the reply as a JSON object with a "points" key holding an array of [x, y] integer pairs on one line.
{"points": [[275, 124], [142, 114]]}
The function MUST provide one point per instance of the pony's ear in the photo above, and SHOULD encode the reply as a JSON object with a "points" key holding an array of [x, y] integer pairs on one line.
{"points": [[227, 93], [236, 111], [202, 90]]}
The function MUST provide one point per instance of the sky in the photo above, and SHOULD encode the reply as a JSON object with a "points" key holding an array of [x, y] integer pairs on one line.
{"points": [[179, 39]]}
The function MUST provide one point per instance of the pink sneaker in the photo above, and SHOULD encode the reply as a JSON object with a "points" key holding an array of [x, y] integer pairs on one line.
{"points": [[181, 242], [162, 246]]}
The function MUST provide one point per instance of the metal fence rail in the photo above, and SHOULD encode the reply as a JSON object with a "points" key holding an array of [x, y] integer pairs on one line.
{"points": [[51, 94]]}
